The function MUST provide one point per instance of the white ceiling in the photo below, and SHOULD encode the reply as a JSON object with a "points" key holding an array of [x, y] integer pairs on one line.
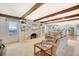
{"points": [[61, 15], [15, 9], [19, 9], [63, 19], [49, 8]]}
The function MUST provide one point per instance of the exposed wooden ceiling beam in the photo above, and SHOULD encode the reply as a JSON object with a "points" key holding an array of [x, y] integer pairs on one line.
{"points": [[66, 20], [76, 15], [60, 12], [10, 16], [36, 6]]}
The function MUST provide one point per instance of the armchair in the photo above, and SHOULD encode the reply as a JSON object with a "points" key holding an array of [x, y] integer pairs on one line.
{"points": [[58, 41]]}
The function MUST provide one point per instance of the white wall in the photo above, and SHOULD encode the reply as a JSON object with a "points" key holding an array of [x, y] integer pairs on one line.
{"points": [[4, 32], [22, 34]]}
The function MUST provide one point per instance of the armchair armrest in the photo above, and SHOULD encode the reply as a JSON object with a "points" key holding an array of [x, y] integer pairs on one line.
{"points": [[52, 43], [55, 45]]}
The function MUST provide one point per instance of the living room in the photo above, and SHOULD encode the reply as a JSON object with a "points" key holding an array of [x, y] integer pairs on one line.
{"points": [[39, 29]]}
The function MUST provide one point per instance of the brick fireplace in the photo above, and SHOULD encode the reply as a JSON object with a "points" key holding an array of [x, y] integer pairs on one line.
{"points": [[33, 34], [33, 30]]}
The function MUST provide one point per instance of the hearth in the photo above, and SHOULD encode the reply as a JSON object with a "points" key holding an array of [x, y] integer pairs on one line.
{"points": [[33, 35]]}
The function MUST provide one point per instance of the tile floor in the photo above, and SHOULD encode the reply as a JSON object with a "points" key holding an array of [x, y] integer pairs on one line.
{"points": [[26, 48]]}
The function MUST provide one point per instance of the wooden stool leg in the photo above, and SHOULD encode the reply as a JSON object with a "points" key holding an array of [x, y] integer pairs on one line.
{"points": [[34, 50], [51, 51]]}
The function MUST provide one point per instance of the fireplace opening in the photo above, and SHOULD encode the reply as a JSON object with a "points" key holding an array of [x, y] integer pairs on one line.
{"points": [[33, 35]]}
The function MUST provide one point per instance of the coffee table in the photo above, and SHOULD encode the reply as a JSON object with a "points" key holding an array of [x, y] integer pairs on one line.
{"points": [[45, 50]]}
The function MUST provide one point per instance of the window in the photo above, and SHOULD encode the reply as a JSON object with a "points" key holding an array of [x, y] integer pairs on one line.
{"points": [[12, 26], [48, 28]]}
